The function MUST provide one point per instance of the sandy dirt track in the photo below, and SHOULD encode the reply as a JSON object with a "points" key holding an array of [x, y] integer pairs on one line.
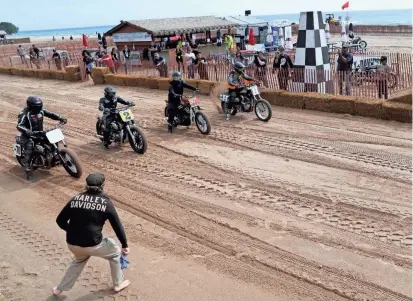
{"points": [[310, 206]]}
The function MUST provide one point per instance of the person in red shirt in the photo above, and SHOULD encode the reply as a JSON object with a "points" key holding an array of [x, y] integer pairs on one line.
{"points": [[107, 58]]}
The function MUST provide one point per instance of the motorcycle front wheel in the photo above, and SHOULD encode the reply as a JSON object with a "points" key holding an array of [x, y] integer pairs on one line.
{"points": [[202, 123], [139, 144], [263, 110], [363, 44], [71, 163]]}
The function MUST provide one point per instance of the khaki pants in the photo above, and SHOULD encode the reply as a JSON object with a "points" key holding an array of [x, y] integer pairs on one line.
{"points": [[107, 249]]}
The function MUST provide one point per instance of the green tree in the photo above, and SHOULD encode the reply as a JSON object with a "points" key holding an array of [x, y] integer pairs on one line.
{"points": [[10, 28]]}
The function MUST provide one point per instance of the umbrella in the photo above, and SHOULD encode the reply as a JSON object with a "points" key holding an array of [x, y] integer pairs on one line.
{"points": [[84, 40], [251, 40]]}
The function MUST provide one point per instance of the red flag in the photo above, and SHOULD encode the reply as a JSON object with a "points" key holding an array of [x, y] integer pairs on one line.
{"points": [[345, 5], [84, 40], [251, 40]]}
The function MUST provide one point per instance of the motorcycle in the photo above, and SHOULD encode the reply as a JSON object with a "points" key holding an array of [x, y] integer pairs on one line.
{"points": [[367, 74], [249, 99], [189, 112], [358, 41], [47, 154], [123, 129]]}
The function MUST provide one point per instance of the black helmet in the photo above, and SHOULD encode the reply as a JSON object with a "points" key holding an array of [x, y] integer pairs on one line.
{"points": [[176, 76], [239, 67], [34, 104], [110, 93]]}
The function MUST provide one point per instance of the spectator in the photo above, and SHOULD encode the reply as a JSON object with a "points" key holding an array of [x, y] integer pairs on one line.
{"points": [[152, 49], [99, 55], [71, 38], [115, 58], [89, 63], [83, 218], [126, 57], [282, 62], [107, 58], [160, 65], [179, 57], [201, 65], [344, 66], [189, 59], [383, 73], [36, 51], [57, 59], [260, 62], [104, 43], [238, 58], [22, 53], [54, 39], [145, 54]]}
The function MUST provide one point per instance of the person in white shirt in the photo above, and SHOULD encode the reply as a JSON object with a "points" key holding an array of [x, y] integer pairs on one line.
{"points": [[189, 59], [22, 53]]}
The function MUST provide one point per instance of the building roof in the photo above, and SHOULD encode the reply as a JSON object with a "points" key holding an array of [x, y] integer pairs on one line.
{"points": [[3, 33], [170, 26], [246, 20]]}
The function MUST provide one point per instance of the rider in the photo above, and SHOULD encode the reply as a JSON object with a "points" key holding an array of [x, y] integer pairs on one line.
{"points": [[235, 78], [30, 123], [105, 104], [176, 89]]}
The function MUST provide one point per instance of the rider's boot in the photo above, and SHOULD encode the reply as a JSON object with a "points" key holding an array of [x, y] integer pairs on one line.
{"points": [[29, 175], [106, 140], [170, 128]]}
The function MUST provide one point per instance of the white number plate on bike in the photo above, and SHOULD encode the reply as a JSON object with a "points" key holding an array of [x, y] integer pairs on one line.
{"points": [[17, 149], [126, 115], [224, 97], [55, 136], [254, 90]]}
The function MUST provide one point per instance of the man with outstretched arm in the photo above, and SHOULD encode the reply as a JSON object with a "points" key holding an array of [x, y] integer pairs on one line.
{"points": [[83, 218]]}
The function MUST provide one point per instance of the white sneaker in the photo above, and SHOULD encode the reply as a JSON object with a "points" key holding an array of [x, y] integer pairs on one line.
{"points": [[123, 285]]}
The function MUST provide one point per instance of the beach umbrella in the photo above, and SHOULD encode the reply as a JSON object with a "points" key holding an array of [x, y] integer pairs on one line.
{"points": [[251, 39], [84, 40]]}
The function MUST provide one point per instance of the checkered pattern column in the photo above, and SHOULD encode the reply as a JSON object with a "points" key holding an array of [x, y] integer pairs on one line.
{"points": [[312, 61]]}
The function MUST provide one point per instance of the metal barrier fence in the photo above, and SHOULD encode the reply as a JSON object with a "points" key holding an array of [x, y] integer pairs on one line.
{"points": [[361, 82]]}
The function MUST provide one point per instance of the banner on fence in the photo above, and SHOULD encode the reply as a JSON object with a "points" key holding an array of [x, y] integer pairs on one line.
{"points": [[132, 37]]}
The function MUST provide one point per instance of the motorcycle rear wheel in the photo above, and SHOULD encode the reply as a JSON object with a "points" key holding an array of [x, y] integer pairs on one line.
{"points": [[234, 110], [141, 144], [99, 130], [73, 166]]}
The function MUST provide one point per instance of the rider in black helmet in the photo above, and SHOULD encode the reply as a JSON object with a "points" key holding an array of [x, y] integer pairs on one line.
{"points": [[30, 123], [106, 103], [176, 89], [235, 78]]}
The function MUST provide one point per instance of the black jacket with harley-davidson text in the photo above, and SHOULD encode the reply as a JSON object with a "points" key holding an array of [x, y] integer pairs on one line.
{"points": [[33, 122]]}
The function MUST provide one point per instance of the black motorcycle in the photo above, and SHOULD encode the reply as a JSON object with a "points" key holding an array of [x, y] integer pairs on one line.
{"points": [[124, 129], [47, 153], [248, 100], [189, 112]]}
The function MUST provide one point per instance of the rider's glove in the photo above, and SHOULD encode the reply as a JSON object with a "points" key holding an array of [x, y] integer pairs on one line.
{"points": [[131, 103], [29, 133], [63, 120], [106, 111], [37, 133]]}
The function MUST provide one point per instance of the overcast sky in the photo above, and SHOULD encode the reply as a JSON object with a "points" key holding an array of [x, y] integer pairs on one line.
{"points": [[46, 14]]}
